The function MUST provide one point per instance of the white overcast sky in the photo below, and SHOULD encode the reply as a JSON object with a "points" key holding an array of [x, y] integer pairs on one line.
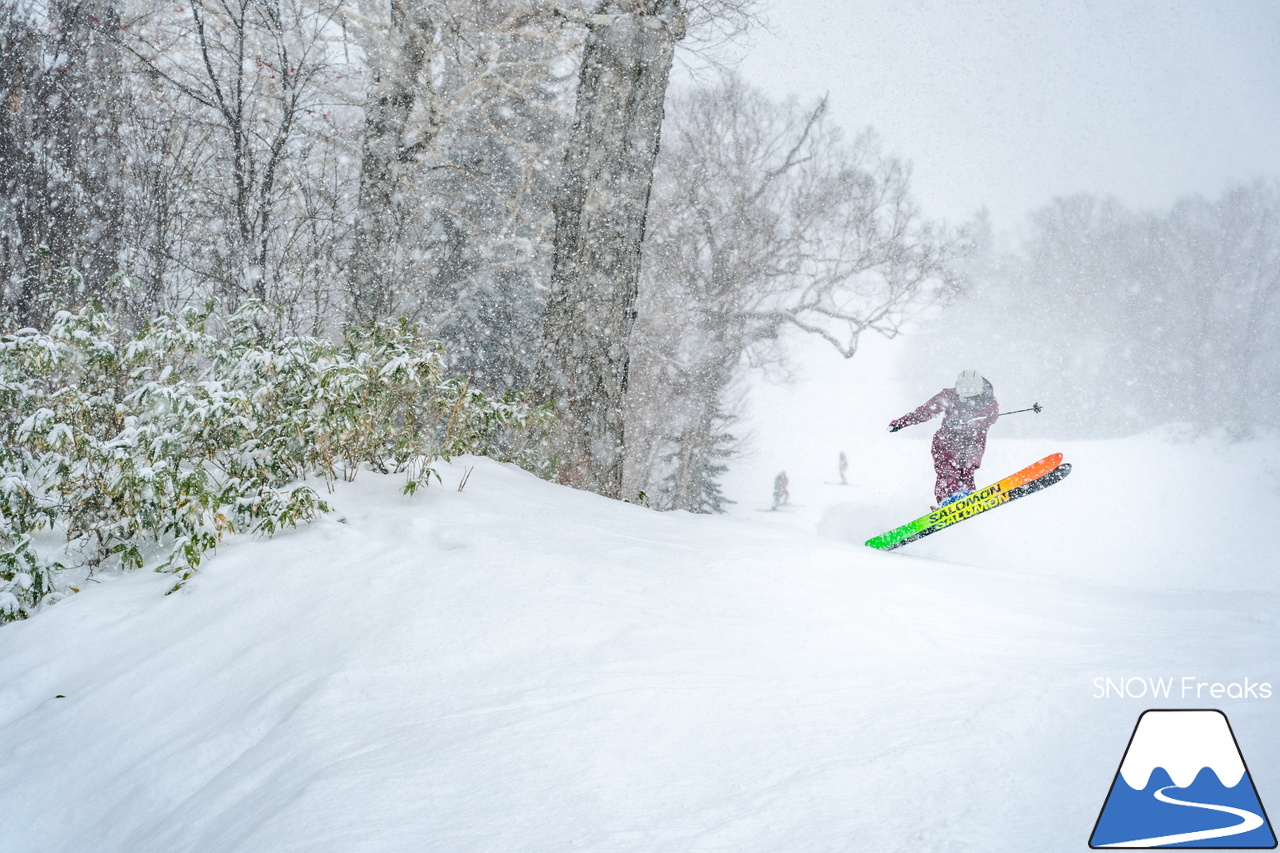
{"points": [[1007, 103]]}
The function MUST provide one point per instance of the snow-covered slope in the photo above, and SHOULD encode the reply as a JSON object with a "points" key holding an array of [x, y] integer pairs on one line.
{"points": [[519, 666]]}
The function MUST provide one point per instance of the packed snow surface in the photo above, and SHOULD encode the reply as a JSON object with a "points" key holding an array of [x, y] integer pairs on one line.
{"points": [[521, 666]]}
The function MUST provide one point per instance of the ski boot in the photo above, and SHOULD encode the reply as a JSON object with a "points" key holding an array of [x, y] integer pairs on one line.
{"points": [[952, 498]]}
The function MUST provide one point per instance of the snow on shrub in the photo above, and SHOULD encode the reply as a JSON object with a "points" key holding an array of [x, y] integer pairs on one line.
{"points": [[120, 449]]}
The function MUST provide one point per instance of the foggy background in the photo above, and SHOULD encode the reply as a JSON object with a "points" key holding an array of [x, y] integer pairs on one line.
{"points": [[1004, 104], [1116, 163]]}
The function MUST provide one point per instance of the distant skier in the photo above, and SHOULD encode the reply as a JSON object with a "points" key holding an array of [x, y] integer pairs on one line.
{"points": [[844, 466], [968, 410], [780, 493]]}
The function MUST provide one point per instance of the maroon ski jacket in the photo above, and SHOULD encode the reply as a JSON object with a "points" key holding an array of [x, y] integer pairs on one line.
{"points": [[962, 438]]}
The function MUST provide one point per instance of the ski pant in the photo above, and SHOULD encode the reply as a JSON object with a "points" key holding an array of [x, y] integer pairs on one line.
{"points": [[953, 475]]}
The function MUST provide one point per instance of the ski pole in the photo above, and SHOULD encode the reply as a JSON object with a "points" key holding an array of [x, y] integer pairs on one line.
{"points": [[1035, 407]]}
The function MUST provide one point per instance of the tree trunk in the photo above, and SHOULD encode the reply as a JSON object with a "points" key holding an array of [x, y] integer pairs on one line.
{"points": [[93, 145], [396, 67], [60, 147], [600, 211]]}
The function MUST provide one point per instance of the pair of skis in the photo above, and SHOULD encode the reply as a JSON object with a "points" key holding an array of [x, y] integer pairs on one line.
{"points": [[1029, 480]]}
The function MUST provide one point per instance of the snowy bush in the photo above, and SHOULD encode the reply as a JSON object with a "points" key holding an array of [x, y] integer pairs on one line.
{"points": [[121, 449]]}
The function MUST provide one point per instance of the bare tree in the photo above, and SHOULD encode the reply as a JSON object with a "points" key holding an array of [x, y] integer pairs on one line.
{"points": [[1127, 320], [764, 220], [251, 76]]}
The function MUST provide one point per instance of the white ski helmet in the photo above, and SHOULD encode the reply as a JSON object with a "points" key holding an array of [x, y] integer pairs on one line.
{"points": [[969, 383]]}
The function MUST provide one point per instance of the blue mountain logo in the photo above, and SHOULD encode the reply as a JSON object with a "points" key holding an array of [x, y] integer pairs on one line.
{"points": [[1183, 783]]}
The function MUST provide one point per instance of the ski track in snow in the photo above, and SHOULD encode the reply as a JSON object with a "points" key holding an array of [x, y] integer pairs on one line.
{"points": [[1248, 822]]}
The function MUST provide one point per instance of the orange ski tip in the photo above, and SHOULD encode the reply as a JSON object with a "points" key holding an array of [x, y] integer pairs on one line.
{"points": [[1048, 463]]}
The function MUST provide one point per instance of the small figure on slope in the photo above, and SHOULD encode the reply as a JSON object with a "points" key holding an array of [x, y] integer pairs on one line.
{"points": [[968, 410], [844, 466], [780, 493]]}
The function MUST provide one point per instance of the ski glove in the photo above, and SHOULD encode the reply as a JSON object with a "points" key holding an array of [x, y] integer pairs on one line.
{"points": [[894, 426]]}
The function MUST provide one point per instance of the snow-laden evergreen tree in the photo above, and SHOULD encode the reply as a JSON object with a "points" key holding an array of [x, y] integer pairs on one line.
{"points": [[697, 460]]}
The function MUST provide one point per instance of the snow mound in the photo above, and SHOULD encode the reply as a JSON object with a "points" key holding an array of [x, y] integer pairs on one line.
{"points": [[520, 666]]}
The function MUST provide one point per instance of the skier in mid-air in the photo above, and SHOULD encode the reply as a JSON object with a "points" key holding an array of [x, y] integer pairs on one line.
{"points": [[968, 410]]}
